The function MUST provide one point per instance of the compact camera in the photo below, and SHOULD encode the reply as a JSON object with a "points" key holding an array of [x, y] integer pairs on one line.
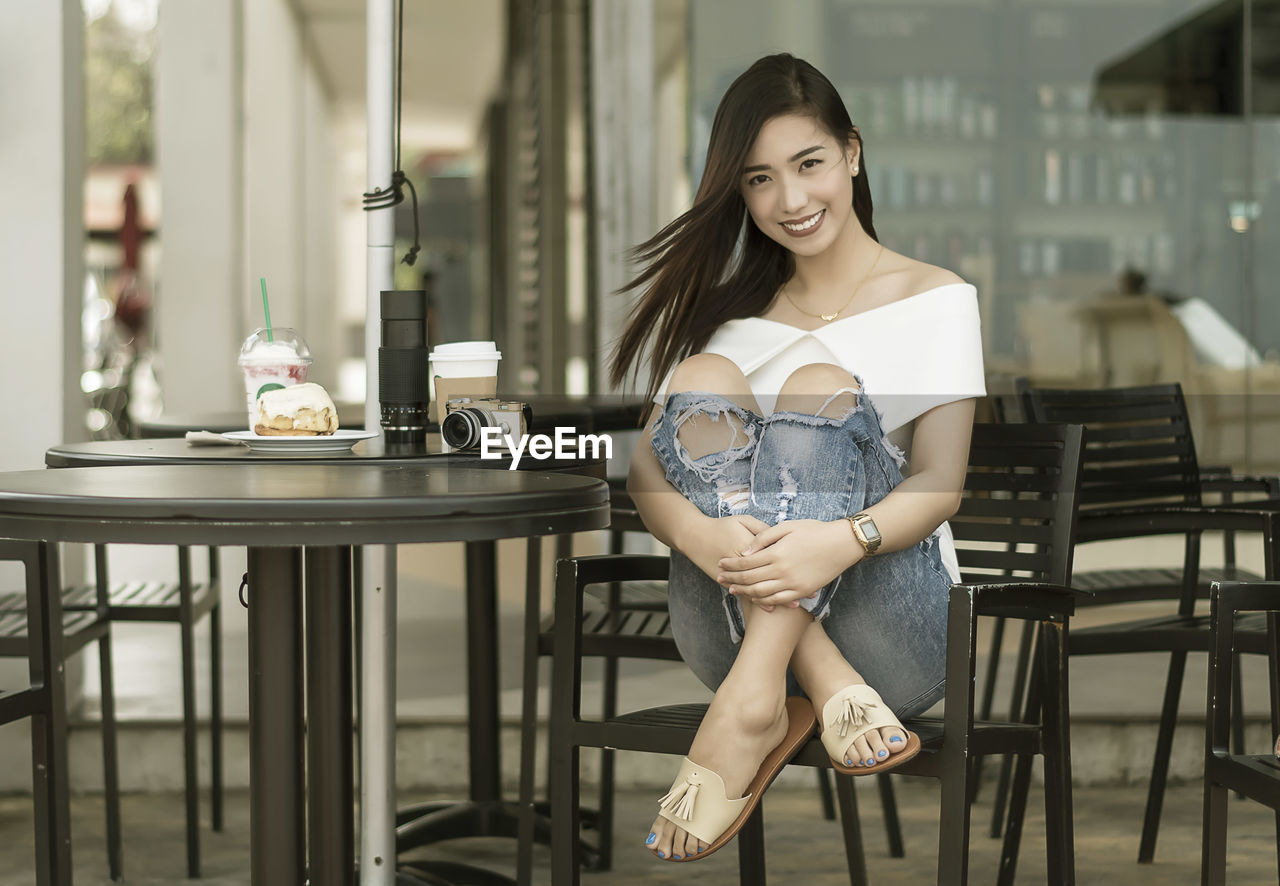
{"points": [[466, 418]]}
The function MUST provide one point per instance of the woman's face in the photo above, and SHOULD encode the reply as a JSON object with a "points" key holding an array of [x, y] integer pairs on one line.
{"points": [[797, 183]]}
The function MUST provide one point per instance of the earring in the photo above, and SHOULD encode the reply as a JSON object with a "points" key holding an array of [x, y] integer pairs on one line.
{"points": [[855, 172]]}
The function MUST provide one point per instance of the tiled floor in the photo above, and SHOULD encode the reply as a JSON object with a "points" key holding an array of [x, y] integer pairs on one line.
{"points": [[801, 846]]}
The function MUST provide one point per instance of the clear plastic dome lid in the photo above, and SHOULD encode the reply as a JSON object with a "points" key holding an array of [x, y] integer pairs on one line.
{"points": [[280, 343]]}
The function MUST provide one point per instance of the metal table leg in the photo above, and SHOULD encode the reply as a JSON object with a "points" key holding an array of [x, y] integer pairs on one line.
{"points": [[330, 803], [277, 843]]}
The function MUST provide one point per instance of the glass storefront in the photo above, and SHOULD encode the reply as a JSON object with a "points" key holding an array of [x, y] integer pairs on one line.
{"points": [[1103, 172]]}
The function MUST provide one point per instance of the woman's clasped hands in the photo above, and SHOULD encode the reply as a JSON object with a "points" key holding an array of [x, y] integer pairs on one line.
{"points": [[788, 562]]}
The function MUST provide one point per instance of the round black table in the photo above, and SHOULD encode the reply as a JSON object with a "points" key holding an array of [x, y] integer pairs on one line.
{"points": [[326, 509], [588, 413]]}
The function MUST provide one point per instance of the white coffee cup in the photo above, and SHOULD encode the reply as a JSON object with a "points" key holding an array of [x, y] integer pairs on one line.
{"points": [[462, 369]]}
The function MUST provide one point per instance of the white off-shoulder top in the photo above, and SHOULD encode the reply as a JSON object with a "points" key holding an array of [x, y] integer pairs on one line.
{"points": [[912, 354]]}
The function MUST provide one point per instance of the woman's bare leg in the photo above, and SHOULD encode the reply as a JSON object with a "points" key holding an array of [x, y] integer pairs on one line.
{"points": [[818, 665], [746, 718]]}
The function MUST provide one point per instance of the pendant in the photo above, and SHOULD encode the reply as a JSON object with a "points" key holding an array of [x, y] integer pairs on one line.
{"points": [[829, 317]]}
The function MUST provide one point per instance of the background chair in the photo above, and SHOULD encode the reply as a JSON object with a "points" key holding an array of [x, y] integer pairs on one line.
{"points": [[1256, 776], [1141, 478], [44, 701], [1021, 489], [184, 602]]}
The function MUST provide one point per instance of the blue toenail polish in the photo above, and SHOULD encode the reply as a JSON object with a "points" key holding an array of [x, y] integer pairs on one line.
{"points": [[648, 841], [871, 761], [700, 848], [896, 738], [661, 854], [882, 753], [848, 762], [675, 858]]}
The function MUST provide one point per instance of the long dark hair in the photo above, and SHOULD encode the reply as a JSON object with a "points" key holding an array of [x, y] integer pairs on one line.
{"points": [[695, 278]]}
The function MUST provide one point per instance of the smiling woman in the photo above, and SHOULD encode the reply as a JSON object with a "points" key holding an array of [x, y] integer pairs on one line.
{"points": [[803, 541]]}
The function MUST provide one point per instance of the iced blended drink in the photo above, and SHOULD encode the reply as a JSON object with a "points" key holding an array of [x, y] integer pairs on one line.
{"points": [[270, 361]]}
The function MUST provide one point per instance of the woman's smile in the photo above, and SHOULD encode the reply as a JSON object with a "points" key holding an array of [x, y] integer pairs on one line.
{"points": [[803, 227]]}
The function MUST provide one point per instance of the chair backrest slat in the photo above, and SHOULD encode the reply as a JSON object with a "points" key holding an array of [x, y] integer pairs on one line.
{"points": [[1139, 449], [1017, 513]]}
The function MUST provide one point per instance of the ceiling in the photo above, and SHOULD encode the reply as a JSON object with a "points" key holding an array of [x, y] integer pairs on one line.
{"points": [[453, 55]]}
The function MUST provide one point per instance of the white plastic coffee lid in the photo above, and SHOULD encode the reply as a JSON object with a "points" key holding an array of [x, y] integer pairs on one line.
{"points": [[466, 350]]}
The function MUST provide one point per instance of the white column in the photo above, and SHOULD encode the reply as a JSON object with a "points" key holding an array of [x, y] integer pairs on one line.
{"points": [[200, 306], [273, 166], [41, 227]]}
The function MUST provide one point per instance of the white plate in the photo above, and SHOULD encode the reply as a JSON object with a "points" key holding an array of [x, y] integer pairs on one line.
{"points": [[339, 441]]}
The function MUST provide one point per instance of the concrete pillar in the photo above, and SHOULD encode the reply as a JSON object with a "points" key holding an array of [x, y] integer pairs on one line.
{"points": [[200, 304], [41, 227], [272, 166]]}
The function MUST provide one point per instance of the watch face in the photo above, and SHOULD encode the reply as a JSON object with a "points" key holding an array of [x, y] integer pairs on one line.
{"points": [[870, 530]]}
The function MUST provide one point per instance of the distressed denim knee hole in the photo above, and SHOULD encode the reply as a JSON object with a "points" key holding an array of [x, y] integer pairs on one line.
{"points": [[714, 457]]}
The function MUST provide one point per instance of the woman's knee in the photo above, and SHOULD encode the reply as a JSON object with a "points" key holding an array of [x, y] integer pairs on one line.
{"points": [[708, 372], [813, 390]]}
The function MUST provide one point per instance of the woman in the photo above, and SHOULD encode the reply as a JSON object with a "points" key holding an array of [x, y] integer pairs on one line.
{"points": [[774, 317]]}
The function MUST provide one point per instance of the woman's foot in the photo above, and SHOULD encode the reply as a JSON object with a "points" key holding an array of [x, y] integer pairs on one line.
{"points": [[822, 671], [742, 725]]}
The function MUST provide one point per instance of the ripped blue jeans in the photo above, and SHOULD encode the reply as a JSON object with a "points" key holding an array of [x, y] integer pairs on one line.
{"points": [[887, 614]]}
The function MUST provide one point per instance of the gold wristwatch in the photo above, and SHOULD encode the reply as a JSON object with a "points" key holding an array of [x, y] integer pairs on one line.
{"points": [[866, 532]]}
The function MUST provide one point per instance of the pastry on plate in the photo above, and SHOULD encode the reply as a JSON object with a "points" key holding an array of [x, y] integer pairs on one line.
{"points": [[297, 411]]}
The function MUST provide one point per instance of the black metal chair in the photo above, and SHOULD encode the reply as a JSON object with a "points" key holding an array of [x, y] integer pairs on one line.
{"points": [[1256, 776], [1021, 488], [1141, 478], [184, 603], [44, 701]]}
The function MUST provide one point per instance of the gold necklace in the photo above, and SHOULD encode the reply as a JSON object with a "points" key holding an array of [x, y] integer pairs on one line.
{"points": [[830, 318]]}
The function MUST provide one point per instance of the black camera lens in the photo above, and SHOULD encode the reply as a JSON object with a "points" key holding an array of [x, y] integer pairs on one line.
{"points": [[403, 394], [460, 429]]}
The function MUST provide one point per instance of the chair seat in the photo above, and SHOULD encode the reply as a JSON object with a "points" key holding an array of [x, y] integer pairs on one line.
{"points": [[629, 633], [78, 628], [1257, 776], [1167, 633], [673, 727], [128, 600], [18, 703], [1130, 585]]}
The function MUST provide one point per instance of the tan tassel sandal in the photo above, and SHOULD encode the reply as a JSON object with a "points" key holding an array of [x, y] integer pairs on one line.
{"points": [[850, 714], [697, 802]]}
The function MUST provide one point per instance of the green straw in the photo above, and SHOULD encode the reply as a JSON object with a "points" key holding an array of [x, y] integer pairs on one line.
{"points": [[266, 307]]}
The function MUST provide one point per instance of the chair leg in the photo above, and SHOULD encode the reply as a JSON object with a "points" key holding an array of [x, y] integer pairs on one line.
{"points": [[751, 850], [529, 712], [110, 761], [854, 852], [1016, 698], [191, 778], [1213, 845], [889, 808], [1160, 762], [825, 794], [1056, 739], [1237, 712], [987, 705], [1020, 788], [215, 701], [604, 812], [565, 784], [953, 836]]}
